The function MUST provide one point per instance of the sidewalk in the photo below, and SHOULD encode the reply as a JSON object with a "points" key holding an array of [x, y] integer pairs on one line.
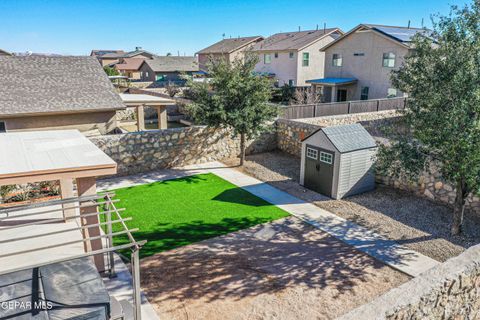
{"points": [[385, 250]]}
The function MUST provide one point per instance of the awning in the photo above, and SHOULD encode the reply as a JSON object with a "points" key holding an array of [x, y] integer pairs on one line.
{"points": [[132, 100], [50, 155], [333, 81]]}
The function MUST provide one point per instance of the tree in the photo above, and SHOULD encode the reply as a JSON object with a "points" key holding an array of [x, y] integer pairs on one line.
{"points": [[442, 80], [234, 98], [110, 71], [306, 95]]}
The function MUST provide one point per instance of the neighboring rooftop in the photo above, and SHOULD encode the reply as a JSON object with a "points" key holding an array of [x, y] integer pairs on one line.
{"points": [[130, 54], [40, 84], [99, 53], [172, 64], [130, 64], [229, 45], [401, 35], [295, 40], [4, 53]]}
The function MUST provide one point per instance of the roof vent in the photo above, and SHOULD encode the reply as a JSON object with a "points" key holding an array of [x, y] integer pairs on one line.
{"points": [[138, 48]]}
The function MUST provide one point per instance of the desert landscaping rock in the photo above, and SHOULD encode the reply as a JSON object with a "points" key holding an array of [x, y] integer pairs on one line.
{"points": [[417, 223]]}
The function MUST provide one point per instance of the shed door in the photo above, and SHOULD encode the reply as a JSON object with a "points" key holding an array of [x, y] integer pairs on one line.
{"points": [[319, 165]]}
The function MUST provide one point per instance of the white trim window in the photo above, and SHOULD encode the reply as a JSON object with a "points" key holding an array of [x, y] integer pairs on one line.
{"points": [[267, 58], [337, 60], [326, 157], [392, 93], [364, 93], [312, 153], [305, 59], [3, 126], [389, 60], [291, 83]]}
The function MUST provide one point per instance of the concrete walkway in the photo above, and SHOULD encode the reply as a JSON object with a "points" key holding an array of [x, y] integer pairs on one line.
{"points": [[371, 243]]}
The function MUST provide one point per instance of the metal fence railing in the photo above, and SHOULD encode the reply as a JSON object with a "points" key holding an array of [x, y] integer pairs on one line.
{"points": [[340, 108]]}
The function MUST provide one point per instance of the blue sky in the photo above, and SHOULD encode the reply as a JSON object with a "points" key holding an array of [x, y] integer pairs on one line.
{"points": [[76, 27]]}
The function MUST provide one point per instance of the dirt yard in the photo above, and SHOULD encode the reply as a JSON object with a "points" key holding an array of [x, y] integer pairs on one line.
{"points": [[418, 223], [281, 270]]}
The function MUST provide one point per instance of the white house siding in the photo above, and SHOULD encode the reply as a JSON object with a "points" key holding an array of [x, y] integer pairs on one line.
{"points": [[316, 67], [355, 173], [368, 69], [284, 67]]}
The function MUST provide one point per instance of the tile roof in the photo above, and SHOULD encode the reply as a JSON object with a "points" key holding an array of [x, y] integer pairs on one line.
{"points": [[45, 84], [350, 137], [172, 64], [292, 40], [229, 45], [130, 64]]}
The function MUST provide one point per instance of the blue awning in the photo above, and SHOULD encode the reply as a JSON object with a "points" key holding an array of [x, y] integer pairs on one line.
{"points": [[333, 81]]}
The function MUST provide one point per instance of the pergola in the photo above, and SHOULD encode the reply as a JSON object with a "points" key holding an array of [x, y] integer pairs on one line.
{"points": [[139, 101], [33, 235]]}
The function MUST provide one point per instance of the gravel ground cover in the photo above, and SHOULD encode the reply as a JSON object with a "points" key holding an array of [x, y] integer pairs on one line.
{"points": [[284, 269], [416, 222]]}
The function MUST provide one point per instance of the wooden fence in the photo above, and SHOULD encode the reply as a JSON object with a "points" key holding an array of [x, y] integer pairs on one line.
{"points": [[339, 108]]}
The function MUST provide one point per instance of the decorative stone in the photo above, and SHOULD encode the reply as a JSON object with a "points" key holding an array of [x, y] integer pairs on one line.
{"points": [[438, 185]]}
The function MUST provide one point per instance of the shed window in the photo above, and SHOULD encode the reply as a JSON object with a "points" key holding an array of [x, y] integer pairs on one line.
{"points": [[389, 60], [3, 127], [337, 60], [326, 157], [312, 153], [306, 59]]}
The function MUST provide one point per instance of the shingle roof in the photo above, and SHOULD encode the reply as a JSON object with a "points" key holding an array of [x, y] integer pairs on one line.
{"points": [[130, 64], [292, 40], [122, 54], [4, 53], [99, 53], [350, 137], [43, 84], [172, 64], [229, 45]]}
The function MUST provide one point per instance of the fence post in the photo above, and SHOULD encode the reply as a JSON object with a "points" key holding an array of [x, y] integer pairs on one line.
{"points": [[314, 110], [378, 105], [348, 111]]}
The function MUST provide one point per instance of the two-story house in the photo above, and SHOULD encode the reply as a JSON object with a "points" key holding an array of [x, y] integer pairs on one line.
{"points": [[292, 58], [358, 65], [228, 49]]}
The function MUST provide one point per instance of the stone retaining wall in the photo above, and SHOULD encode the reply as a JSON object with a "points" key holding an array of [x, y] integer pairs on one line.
{"points": [[430, 185], [449, 291], [152, 150]]}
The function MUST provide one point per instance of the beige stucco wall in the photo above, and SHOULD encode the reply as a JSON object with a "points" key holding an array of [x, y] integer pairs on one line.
{"points": [[368, 69], [103, 121], [106, 62], [286, 68]]}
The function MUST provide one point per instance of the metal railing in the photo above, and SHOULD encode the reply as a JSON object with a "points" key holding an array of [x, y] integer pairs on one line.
{"points": [[341, 108], [44, 212]]}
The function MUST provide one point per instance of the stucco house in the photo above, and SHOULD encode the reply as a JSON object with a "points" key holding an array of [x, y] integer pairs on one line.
{"points": [[292, 58], [130, 67], [112, 57], [49, 93], [358, 65], [228, 49], [167, 68]]}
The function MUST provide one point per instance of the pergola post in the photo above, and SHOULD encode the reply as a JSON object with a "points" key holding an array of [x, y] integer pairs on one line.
{"points": [[334, 93], [86, 187], [162, 117], [66, 189], [140, 118]]}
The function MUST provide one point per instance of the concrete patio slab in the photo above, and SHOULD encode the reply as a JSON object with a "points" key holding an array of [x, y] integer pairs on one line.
{"points": [[385, 250]]}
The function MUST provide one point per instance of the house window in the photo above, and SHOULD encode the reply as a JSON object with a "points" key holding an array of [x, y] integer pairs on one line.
{"points": [[290, 55], [364, 93], [326, 157], [267, 58], [146, 74], [359, 54], [275, 55], [389, 60], [3, 126], [337, 60], [306, 58], [291, 83], [391, 93], [312, 153]]}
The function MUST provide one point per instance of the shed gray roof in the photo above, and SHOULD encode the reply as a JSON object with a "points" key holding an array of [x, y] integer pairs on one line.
{"points": [[47, 84], [229, 45], [293, 40], [172, 64], [347, 138]]}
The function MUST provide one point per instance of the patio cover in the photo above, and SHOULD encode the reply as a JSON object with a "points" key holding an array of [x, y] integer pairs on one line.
{"points": [[333, 81], [50, 155], [132, 100]]}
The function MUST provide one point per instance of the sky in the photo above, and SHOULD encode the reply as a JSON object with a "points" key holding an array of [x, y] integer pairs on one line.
{"points": [[185, 27]]}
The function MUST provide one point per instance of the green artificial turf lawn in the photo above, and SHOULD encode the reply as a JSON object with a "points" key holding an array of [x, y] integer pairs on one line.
{"points": [[178, 212]]}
